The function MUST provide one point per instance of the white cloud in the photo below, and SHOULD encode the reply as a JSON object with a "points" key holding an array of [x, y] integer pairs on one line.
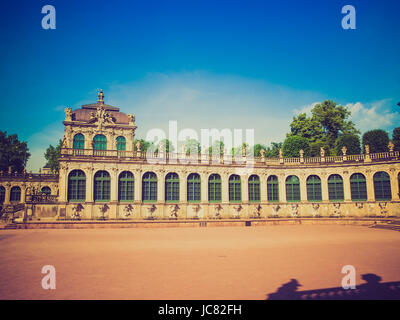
{"points": [[375, 115]]}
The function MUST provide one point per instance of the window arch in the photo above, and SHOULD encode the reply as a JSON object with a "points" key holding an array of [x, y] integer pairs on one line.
{"points": [[76, 186], [172, 187], [79, 141], [100, 142], [46, 190], [15, 194], [102, 186], [272, 188], [121, 143], [193, 188], [235, 188], [254, 188], [358, 187], [314, 188], [382, 187], [126, 185], [149, 187], [214, 188], [292, 188], [335, 188], [2, 194]]}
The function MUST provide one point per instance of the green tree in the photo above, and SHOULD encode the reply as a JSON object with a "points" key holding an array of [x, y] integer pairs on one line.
{"points": [[377, 140], [328, 120], [273, 151], [293, 144], [52, 155], [307, 127], [192, 146], [168, 146], [217, 148], [257, 149], [13, 153], [144, 145], [396, 138], [315, 148], [350, 141]]}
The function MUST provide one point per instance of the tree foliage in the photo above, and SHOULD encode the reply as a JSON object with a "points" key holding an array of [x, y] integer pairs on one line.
{"points": [[396, 138], [293, 144], [52, 155], [377, 140], [327, 122], [350, 141], [13, 153]]}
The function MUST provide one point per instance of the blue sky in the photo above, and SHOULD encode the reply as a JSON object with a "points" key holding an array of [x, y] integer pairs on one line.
{"points": [[224, 64]]}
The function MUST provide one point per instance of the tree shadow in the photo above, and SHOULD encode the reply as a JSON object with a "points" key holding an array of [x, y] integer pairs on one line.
{"points": [[372, 289]]}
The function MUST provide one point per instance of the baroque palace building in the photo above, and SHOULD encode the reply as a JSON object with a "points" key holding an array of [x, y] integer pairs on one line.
{"points": [[103, 175]]}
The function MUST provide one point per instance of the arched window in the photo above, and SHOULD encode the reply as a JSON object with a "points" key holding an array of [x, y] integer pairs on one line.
{"points": [[172, 187], [254, 188], [193, 188], [102, 186], [121, 143], [335, 188], [382, 187], [76, 186], [149, 187], [79, 141], [15, 194], [2, 194], [314, 188], [292, 188], [358, 186], [126, 184], [214, 188], [235, 188], [272, 188], [46, 190], [100, 142]]}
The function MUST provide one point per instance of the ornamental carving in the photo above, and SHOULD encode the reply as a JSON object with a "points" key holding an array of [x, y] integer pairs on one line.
{"points": [[102, 117]]}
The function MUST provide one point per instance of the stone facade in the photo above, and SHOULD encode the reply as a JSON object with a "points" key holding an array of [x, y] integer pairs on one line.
{"points": [[100, 119]]}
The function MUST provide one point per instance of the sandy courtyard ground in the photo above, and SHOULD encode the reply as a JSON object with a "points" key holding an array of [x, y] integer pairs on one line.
{"points": [[191, 263]]}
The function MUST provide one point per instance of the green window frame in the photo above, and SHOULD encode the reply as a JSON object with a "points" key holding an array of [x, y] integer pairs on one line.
{"points": [[335, 188], [272, 189], [292, 189], [102, 186], [314, 192], [100, 142], [254, 188], [126, 186], [172, 187], [214, 188], [2, 194], [79, 141], [76, 186], [358, 187], [121, 143], [149, 187], [382, 187], [46, 190], [15, 194], [193, 188], [235, 188]]}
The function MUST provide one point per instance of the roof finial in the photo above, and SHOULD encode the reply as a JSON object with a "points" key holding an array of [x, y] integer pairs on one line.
{"points": [[101, 97]]}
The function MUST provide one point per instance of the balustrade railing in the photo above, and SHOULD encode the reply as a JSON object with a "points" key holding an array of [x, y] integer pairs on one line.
{"points": [[226, 159]]}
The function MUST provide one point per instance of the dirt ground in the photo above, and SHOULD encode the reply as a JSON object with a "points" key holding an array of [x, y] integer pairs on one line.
{"points": [[191, 263]]}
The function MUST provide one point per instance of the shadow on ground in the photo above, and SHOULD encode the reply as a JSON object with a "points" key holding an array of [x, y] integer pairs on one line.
{"points": [[372, 289]]}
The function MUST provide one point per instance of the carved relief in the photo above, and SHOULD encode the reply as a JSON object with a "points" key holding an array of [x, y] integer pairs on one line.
{"points": [[127, 211], [173, 211]]}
